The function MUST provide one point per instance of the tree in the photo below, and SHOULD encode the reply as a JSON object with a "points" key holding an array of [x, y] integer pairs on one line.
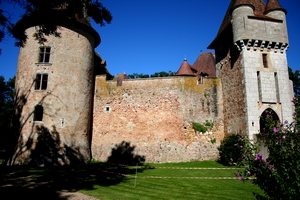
{"points": [[6, 107], [49, 15], [295, 77]]}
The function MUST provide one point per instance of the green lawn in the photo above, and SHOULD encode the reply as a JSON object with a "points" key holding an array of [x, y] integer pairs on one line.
{"points": [[105, 181], [175, 181]]}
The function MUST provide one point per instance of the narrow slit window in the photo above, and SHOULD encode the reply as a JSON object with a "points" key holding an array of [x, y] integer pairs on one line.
{"points": [[41, 81], [44, 55], [38, 113], [265, 60]]}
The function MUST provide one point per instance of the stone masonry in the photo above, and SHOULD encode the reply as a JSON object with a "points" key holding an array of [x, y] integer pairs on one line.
{"points": [[79, 114], [155, 115]]}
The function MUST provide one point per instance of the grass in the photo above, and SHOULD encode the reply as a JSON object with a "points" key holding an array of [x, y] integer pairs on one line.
{"points": [[177, 184], [104, 181]]}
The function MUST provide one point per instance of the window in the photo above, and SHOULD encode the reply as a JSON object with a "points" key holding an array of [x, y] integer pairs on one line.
{"points": [[38, 113], [44, 55], [41, 81], [265, 60]]}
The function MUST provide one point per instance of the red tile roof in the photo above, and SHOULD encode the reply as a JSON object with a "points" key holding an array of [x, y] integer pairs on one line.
{"points": [[185, 69], [205, 63]]}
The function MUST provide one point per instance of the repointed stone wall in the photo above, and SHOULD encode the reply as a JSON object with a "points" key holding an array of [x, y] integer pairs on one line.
{"points": [[155, 115]]}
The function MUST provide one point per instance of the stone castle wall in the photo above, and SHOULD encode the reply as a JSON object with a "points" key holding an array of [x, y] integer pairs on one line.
{"points": [[233, 93], [155, 116]]}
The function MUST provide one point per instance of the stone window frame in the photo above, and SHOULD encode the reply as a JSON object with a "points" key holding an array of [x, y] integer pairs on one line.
{"points": [[44, 55], [41, 81]]}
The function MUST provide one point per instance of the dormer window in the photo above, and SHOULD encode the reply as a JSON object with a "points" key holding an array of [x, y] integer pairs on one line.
{"points": [[44, 54]]}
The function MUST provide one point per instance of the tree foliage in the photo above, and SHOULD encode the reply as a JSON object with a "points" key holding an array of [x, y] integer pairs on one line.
{"points": [[295, 77], [6, 106], [49, 14], [156, 74]]}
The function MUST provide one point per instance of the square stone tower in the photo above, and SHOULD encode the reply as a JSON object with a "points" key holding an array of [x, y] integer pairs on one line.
{"points": [[251, 60]]}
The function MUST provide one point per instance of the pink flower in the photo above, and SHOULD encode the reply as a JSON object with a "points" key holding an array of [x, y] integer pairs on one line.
{"points": [[275, 130], [283, 137], [241, 147], [249, 173], [259, 154]]}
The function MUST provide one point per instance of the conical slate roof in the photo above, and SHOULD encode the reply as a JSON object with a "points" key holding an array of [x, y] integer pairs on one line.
{"points": [[185, 69], [273, 5], [259, 7]]}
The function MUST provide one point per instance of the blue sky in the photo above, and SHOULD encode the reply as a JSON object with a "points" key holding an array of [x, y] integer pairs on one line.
{"points": [[148, 36]]}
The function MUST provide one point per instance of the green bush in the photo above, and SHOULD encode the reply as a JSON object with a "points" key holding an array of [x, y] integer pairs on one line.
{"points": [[209, 124], [199, 127], [231, 149]]}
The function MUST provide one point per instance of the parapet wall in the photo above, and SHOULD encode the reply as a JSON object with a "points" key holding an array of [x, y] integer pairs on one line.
{"points": [[155, 116]]}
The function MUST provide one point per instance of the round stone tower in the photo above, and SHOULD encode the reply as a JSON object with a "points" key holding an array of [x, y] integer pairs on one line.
{"points": [[54, 92]]}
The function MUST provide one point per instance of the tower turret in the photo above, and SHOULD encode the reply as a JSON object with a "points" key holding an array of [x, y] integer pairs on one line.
{"points": [[54, 92], [251, 59]]}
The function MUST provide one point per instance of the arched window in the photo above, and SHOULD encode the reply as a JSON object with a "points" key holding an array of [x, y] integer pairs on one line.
{"points": [[38, 113], [268, 117]]}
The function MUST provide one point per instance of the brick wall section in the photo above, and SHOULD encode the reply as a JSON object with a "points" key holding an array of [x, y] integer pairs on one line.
{"points": [[68, 95], [155, 115]]}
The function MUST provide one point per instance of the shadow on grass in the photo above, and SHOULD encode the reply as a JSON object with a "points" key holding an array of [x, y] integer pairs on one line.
{"points": [[48, 182]]}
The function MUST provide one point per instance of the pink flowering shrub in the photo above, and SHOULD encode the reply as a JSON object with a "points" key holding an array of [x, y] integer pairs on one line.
{"points": [[279, 174]]}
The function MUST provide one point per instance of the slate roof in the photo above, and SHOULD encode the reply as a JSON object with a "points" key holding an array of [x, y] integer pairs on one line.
{"points": [[273, 5], [100, 66]]}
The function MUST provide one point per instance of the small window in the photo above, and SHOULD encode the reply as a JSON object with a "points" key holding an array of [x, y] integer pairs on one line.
{"points": [[44, 54], [107, 109], [41, 81], [38, 113], [265, 60]]}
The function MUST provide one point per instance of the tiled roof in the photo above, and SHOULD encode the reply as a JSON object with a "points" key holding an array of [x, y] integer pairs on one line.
{"points": [[205, 63], [185, 69], [100, 66]]}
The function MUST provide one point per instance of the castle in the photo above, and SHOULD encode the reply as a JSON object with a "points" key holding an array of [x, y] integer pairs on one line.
{"points": [[68, 109]]}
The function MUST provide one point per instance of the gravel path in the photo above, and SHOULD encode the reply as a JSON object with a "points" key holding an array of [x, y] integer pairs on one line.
{"points": [[75, 196]]}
